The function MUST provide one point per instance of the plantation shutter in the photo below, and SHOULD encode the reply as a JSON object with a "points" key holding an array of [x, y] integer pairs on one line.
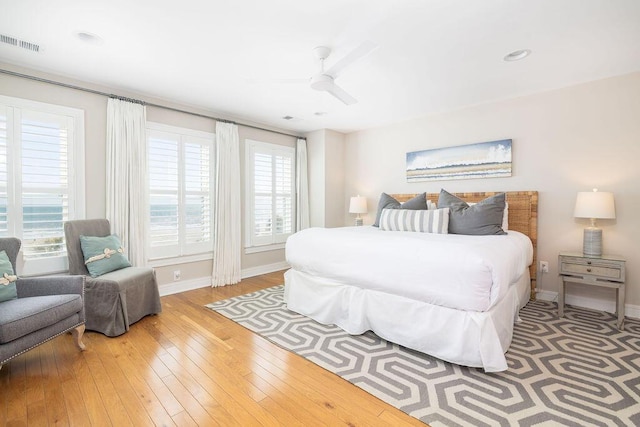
{"points": [[4, 203], [198, 210], [163, 193], [41, 179], [270, 193], [181, 164], [283, 212], [45, 182], [263, 198]]}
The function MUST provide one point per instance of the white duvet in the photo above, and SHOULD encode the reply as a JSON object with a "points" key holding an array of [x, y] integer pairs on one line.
{"points": [[470, 273]]}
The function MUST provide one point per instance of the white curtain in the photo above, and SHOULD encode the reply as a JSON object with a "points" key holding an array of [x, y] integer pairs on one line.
{"points": [[227, 245], [302, 186], [127, 176]]}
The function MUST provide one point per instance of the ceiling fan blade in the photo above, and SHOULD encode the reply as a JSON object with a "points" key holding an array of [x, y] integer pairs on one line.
{"points": [[277, 81], [359, 52], [343, 96], [290, 81]]}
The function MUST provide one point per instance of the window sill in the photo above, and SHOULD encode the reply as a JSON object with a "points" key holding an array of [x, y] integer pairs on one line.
{"points": [[163, 262], [264, 248], [46, 266]]}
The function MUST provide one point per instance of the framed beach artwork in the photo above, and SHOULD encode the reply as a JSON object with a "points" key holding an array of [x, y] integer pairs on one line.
{"points": [[482, 160]]}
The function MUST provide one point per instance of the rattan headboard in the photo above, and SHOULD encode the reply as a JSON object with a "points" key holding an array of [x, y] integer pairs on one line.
{"points": [[523, 217]]}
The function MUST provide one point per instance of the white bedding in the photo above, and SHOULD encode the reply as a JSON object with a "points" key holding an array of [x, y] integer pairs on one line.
{"points": [[470, 273], [453, 297]]}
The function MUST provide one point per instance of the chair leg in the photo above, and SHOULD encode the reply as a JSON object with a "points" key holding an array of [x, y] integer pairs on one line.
{"points": [[77, 336]]}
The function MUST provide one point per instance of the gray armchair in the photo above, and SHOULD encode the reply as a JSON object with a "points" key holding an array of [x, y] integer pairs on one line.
{"points": [[45, 308], [115, 300]]}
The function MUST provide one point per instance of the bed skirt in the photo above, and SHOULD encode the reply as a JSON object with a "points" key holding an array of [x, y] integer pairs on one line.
{"points": [[468, 338]]}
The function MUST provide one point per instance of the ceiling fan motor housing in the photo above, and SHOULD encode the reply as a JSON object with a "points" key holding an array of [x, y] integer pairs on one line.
{"points": [[322, 82]]}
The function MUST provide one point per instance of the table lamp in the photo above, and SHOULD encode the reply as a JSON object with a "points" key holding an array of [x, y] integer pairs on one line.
{"points": [[594, 205], [358, 205]]}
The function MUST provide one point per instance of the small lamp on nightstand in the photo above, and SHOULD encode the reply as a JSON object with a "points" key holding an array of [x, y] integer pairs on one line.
{"points": [[594, 205], [358, 205]]}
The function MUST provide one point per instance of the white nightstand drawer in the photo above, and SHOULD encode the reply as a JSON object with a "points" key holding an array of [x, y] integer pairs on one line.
{"points": [[582, 269]]}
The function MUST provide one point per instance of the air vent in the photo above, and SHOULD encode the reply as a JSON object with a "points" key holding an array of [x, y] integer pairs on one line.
{"points": [[9, 40], [19, 43]]}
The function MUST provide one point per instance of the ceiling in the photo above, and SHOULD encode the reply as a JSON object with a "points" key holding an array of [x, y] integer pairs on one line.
{"points": [[226, 56]]}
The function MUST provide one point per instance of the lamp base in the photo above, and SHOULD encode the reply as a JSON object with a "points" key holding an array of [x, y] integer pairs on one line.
{"points": [[592, 242], [358, 222]]}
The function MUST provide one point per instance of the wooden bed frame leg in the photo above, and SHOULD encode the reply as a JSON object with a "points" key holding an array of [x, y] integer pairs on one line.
{"points": [[77, 336]]}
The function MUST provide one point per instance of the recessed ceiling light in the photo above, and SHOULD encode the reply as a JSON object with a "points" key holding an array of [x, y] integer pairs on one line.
{"points": [[320, 113], [88, 37], [517, 55], [287, 117]]}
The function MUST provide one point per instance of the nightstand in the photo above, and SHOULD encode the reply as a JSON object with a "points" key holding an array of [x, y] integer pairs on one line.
{"points": [[606, 271]]}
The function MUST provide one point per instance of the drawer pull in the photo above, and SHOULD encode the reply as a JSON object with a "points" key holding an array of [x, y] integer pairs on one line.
{"points": [[589, 262], [588, 270]]}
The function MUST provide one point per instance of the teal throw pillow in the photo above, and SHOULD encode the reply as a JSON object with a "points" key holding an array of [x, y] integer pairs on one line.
{"points": [[7, 279], [103, 254]]}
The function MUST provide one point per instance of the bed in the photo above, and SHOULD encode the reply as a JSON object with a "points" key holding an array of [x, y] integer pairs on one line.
{"points": [[408, 289]]}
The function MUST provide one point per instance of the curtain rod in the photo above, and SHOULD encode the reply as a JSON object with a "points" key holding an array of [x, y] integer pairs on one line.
{"points": [[111, 95]]}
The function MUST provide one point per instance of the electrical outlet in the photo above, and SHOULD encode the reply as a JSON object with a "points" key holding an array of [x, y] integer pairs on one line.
{"points": [[544, 266], [176, 275]]}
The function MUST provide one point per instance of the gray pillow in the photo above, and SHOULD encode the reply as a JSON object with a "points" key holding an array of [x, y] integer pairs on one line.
{"points": [[418, 203], [482, 219]]}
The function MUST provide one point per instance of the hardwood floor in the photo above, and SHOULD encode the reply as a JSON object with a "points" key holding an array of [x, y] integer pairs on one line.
{"points": [[187, 366]]}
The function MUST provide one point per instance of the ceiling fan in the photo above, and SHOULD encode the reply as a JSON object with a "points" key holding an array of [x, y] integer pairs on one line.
{"points": [[324, 80]]}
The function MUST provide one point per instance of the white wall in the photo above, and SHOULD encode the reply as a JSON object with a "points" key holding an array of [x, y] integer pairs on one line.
{"points": [[316, 177], [326, 155], [95, 108], [335, 207], [564, 141]]}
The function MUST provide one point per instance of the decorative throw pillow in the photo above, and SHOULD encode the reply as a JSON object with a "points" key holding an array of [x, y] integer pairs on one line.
{"points": [[387, 202], [103, 254], [423, 221], [7, 279], [483, 218], [505, 215]]}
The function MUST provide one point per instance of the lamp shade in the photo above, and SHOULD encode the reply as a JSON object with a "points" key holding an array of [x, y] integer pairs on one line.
{"points": [[595, 204], [358, 205]]}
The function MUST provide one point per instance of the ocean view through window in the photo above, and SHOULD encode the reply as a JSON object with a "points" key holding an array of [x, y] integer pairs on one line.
{"points": [[181, 166], [41, 178]]}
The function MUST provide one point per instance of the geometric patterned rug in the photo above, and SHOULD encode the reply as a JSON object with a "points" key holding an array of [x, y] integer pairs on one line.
{"points": [[579, 370]]}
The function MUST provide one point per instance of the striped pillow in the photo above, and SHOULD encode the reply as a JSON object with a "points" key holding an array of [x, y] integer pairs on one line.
{"points": [[424, 221]]}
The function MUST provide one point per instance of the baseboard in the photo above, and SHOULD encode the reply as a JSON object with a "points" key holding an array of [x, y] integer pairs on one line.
{"points": [[264, 269], [547, 296], [184, 285], [592, 303], [203, 282]]}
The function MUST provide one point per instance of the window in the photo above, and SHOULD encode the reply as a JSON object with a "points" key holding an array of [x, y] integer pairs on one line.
{"points": [[270, 192], [181, 175], [41, 178]]}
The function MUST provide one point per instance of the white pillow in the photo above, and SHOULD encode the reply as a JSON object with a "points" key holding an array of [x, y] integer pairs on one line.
{"points": [[423, 221], [505, 217]]}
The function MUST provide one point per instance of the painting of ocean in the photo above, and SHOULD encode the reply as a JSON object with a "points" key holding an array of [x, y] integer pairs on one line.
{"points": [[482, 160]]}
